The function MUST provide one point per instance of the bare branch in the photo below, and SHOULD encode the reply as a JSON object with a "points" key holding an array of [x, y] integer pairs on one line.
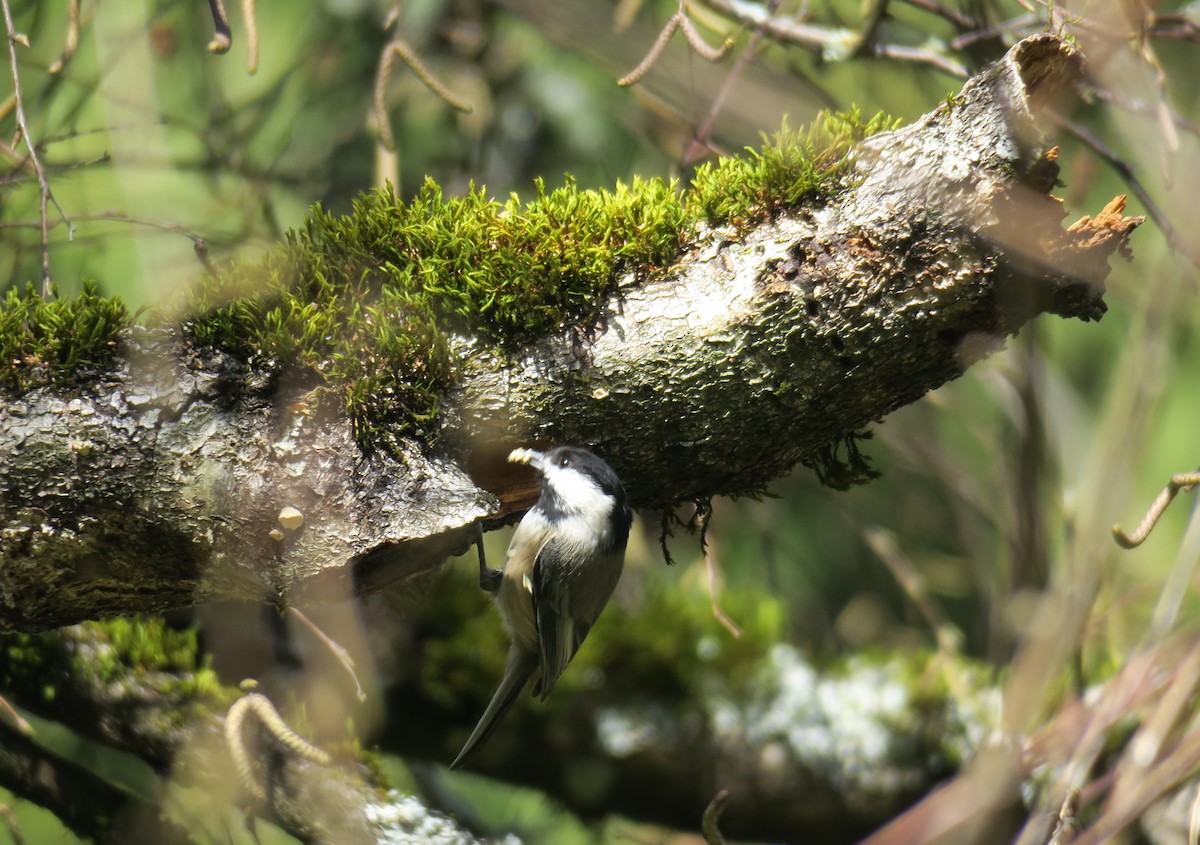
{"points": [[664, 37], [251, 23], [14, 826], [1174, 237], [710, 823], [832, 43], [876, 13], [698, 44], [260, 706], [714, 581], [72, 39], [960, 19], [949, 638], [983, 33], [46, 197], [1182, 481], [682, 22], [700, 141], [115, 217], [223, 38], [340, 653], [399, 47]]}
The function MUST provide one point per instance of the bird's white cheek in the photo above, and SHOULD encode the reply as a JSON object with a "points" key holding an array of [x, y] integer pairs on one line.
{"points": [[589, 507]]}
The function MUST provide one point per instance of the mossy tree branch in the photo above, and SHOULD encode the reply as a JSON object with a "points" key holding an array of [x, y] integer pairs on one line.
{"points": [[764, 343]]}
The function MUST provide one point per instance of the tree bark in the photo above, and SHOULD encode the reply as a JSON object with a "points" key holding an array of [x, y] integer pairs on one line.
{"points": [[160, 484]]}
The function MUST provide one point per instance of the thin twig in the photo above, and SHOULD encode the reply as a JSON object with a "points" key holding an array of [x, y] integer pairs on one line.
{"points": [[959, 19], [200, 247], [1182, 481], [949, 638], [700, 46], [1179, 580], [14, 826], [710, 822], [664, 37], [624, 14], [1174, 26], [269, 717], [876, 14], [16, 178], [115, 217], [399, 47], [251, 23], [961, 42], [1067, 826], [714, 587], [828, 41], [1193, 834], [72, 40], [46, 197], [700, 139], [714, 581], [16, 719], [682, 22], [338, 651], [222, 37], [1135, 106]]}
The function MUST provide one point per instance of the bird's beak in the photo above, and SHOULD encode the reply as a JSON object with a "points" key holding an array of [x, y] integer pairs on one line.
{"points": [[526, 456]]}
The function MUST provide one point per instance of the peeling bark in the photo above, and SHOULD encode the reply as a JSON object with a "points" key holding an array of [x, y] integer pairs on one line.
{"points": [[160, 484]]}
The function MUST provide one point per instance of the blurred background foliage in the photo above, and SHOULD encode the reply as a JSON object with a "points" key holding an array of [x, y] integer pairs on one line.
{"points": [[994, 487]]}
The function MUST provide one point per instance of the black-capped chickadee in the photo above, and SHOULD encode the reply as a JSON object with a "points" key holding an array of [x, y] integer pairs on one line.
{"points": [[561, 568]]}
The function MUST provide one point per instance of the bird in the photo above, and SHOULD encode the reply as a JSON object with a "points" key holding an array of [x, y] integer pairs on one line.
{"points": [[561, 568]]}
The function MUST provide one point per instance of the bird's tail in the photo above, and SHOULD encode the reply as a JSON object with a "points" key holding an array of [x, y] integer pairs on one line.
{"points": [[520, 666]]}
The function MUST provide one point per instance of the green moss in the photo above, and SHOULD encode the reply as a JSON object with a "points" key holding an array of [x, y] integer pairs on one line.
{"points": [[112, 651], [57, 341], [366, 302], [841, 464], [147, 644], [791, 166]]}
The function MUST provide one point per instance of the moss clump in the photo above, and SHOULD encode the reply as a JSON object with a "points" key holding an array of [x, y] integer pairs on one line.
{"points": [[366, 300], [791, 166], [112, 651], [57, 341]]}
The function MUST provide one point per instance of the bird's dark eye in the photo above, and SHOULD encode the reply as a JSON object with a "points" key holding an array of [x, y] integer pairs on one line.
{"points": [[564, 461]]}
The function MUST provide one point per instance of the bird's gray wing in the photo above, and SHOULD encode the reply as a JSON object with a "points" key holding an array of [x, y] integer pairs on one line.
{"points": [[560, 633]]}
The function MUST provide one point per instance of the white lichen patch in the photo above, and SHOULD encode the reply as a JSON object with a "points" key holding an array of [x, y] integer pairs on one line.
{"points": [[857, 728], [403, 820], [628, 730]]}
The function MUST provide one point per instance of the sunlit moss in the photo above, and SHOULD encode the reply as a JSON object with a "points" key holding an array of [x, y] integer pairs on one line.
{"points": [[111, 651], [366, 302], [57, 341], [790, 167]]}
